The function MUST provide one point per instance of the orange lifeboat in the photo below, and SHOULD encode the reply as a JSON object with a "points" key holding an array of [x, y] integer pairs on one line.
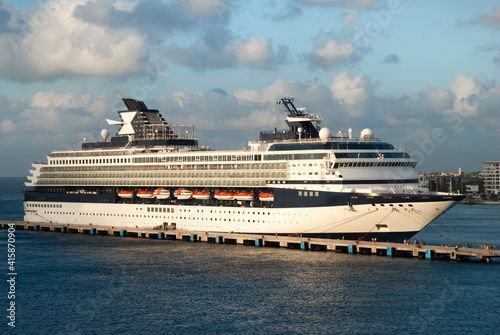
{"points": [[145, 194], [125, 194], [263, 196], [221, 195], [162, 193], [245, 196], [183, 194], [201, 195]]}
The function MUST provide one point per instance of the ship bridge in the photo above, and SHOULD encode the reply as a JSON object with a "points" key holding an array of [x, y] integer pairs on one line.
{"points": [[302, 124]]}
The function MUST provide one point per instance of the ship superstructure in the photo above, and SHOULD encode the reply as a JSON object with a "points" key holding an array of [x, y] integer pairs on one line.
{"points": [[298, 181]]}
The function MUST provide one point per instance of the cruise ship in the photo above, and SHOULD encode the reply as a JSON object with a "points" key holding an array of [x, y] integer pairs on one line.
{"points": [[301, 181]]}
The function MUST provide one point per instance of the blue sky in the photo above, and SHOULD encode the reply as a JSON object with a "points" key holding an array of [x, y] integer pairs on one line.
{"points": [[422, 74]]}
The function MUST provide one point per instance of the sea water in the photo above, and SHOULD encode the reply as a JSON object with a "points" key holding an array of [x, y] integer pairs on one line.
{"points": [[83, 284]]}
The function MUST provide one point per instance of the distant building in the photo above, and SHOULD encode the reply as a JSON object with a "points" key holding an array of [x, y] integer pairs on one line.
{"points": [[459, 173], [492, 176], [472, 188]]}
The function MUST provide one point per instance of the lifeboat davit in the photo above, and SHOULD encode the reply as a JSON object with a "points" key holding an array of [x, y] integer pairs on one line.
{"points": [[201, 195], [126, 194], [224, 195], [245, 196], [145, 194], [183, 194], [162, 193], [263, 196]]}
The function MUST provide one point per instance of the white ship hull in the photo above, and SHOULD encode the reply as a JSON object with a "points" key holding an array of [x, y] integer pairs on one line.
{"points": [[362, 220]]}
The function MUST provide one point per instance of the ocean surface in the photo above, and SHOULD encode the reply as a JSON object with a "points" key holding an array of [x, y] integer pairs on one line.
{"points": [[82, 284]]}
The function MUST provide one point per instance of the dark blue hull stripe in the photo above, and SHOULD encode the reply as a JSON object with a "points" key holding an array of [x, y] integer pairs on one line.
{"points": [[397, 237], [283, 198]]}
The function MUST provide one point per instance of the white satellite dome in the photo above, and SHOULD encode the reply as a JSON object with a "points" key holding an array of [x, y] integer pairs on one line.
{"points": [[325, 133], [105, 134], [367, 134]]}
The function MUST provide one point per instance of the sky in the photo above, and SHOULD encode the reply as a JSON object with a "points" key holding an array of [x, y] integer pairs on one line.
{"points": [[423, 75]]}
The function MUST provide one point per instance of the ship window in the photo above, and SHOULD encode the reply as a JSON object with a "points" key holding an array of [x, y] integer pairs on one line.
{"points": [[300, 193]]}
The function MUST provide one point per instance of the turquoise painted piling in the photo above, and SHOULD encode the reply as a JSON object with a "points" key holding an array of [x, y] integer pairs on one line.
{"points": [[159, 235], [217, 239], [121, 233], [191, 238], [35, 227], [62, 229], [302, 245], [428, 254], [350, 249], [257, 242], [390, 251], [91, 231]]}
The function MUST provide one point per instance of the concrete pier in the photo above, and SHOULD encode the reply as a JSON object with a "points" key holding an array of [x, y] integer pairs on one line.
{"points": [[387, 249]]}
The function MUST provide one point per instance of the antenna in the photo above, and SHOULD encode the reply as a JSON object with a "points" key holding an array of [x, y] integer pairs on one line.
{"points": [[288, 102]]}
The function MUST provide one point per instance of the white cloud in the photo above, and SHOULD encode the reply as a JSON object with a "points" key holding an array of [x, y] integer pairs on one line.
{"points": [[206, 9], [179, 98], [58, 112], [329, 54], [463, 86], [223, 119], [6, 126], [334, 52], [125, 5], [353, 92], [271, 93], [469, 91], [56, 44], [114, 38], [488, 20], [257, 52], [351, 18]]}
